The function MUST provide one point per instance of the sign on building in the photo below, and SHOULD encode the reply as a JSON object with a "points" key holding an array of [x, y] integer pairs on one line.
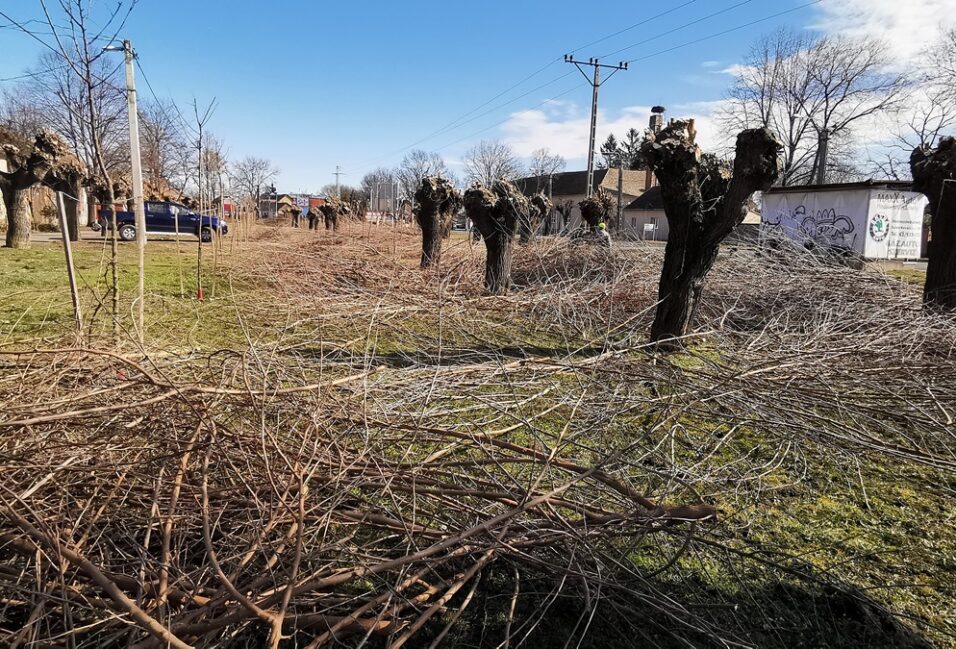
{"points": [[874, 222], [302, 202]]}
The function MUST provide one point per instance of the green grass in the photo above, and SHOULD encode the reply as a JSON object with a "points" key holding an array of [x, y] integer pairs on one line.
{"points": [[36, 304], [909, 276]]}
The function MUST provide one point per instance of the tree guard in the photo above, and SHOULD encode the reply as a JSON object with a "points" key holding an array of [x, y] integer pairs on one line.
{"points": [[538, 209], [704, 200], [437, 204], [934, 174], [496, 213]]}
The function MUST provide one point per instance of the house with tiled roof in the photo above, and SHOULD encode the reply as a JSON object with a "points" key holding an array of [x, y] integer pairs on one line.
{"points": [[570, 187]]}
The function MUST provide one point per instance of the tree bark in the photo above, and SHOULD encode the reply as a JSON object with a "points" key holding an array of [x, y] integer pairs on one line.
{"points": [[17, 202], [498, 264], [934, 174], [703, 203]]}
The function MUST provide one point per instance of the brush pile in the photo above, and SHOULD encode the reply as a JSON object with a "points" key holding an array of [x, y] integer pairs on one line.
{"points": [[409, 454]]}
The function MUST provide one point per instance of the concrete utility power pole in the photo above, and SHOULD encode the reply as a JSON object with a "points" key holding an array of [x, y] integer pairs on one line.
{"points": [[137, 172], [595, 85], [338, 172]]}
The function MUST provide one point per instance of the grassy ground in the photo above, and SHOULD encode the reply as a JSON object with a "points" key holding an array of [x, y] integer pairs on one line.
{"points": [[853, 536], [37, 306]]}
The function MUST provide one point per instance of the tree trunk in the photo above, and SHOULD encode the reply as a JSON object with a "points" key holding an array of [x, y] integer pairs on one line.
{"points": [[431, 240], [934, 174], [82, 207], [498, 264], [940, 289], [18, 217], [679, 290], [72, 210]]}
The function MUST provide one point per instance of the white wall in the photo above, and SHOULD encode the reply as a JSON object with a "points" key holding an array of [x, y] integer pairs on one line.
{"points": [[636, 220], [875, 223]]}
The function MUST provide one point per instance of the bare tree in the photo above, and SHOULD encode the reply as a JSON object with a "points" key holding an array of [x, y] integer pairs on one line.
{"points": [[437, 204], [543, 165], [77, 30], [163, 145], [490, 161], [810, 92], [54, 97], [927, 114], [704, 201], [416, 165], [251, 175]]}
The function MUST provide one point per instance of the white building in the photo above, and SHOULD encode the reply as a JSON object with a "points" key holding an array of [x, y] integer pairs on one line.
{"points": [[876, 220]]}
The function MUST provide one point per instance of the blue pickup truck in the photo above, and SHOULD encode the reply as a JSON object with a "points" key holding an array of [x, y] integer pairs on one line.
{"points": [[161, 219]]}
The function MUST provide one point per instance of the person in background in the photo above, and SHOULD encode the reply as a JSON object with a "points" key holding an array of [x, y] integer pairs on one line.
{"points": [[603, 236], [313, 219]]}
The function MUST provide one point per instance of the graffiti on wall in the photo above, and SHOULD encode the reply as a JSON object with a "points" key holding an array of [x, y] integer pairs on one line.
{"points": [[825, 228]]}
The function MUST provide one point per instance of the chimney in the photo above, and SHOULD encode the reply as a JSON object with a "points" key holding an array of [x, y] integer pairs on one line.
{"points": [[656, 124]]}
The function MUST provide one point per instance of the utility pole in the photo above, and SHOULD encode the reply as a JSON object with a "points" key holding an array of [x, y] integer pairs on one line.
{"points": [[338, 172], [138, 209], [595, 85]]}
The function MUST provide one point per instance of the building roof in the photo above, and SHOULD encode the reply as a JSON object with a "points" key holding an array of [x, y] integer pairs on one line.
{"points": [[894, 185], [574, 183], [649, 200]]}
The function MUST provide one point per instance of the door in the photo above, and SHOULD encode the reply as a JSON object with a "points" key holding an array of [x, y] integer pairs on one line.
{"points": [[159, 218]]}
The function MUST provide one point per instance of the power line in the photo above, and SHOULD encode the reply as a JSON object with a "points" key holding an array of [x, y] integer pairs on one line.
{"points": [[651, 55], [728, 31], [678, 28], [458, 122], [30, 75], [499, 123], [634, 26]]}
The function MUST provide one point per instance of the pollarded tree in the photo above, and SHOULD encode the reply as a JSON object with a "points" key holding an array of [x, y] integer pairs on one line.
{"points": [[496, 213], [597, 208], [47, 159], [437, 203], [934, 174], [538, 209], [704, 200], [332, 210]]}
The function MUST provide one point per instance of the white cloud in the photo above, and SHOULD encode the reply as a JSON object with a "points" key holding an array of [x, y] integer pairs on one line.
{"points": [[906, 26], [567, 133], [735, 70], [710, 64]]}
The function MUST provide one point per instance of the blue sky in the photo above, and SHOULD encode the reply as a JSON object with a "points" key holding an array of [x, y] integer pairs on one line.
{"points": [[312, 85]]}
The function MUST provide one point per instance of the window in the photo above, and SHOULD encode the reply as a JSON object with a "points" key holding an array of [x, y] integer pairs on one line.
{"points": [[160, 209], [633, 221], [654, 222]]}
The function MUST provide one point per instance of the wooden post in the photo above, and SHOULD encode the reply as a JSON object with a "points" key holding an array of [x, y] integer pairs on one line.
{"points": [[68, 253]]}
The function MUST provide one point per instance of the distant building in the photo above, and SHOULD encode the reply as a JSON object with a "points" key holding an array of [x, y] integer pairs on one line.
{"points": [[571, 187], [644, 218]]}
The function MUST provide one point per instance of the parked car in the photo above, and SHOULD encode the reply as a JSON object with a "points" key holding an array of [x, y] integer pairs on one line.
{"points": [[164, 218]]}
